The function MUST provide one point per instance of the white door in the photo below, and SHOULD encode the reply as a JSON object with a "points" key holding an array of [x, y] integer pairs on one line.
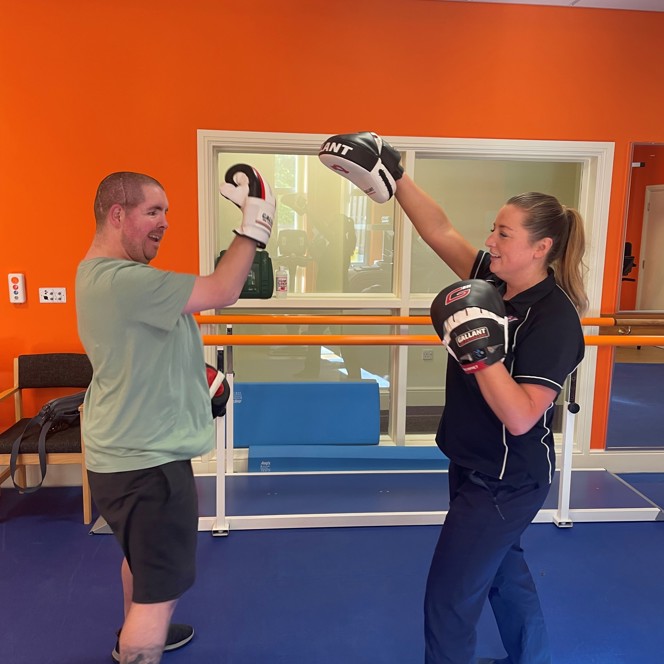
{"points": [[650, 289]]}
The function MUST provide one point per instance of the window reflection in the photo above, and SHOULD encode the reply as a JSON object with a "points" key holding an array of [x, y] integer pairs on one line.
{"points": [[471, 191], [328, 235], [335, 363]]}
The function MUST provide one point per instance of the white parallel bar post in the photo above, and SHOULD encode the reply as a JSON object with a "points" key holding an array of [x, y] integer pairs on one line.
{"points": [[220, 524], [230, 406], [224, 439], [227, 466], [562, 517]]}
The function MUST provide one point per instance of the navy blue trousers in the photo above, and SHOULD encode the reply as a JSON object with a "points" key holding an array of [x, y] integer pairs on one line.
{"points": [[478, 556]]}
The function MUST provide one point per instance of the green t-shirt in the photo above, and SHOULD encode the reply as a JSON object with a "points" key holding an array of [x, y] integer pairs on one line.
{"points": [[148, 402]]}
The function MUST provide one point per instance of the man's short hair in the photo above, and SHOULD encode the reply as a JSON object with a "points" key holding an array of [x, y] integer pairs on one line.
{"points": [[124, 188]]}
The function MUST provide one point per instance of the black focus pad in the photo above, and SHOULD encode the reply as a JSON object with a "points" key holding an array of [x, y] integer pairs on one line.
{"points": [[469, 317], [220, 390], [462, 295]]}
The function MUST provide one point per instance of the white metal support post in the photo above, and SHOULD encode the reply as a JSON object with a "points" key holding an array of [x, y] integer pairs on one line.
{"points": [[562, 517], [224, 437], [220, 526], [230, 409]]}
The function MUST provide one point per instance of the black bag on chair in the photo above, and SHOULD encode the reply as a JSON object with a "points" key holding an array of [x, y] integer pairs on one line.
{"points": [[56, 415]]}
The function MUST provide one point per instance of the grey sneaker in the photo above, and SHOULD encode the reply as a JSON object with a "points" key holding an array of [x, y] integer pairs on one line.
{"points": [[178, 636]]}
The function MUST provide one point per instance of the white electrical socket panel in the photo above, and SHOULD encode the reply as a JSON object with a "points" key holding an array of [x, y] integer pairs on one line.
{"points": [[16, 282], [52, 295]]}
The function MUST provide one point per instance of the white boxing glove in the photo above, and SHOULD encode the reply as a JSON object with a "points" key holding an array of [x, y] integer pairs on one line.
{"points": [[245, 187], [365, 159]]}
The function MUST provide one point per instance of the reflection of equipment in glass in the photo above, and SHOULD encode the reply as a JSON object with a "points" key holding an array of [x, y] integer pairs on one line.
{"points": [[292, 242], [628, 262], [377, 277], [371, 279], [292, 248], [296, 202], [260, 280]]}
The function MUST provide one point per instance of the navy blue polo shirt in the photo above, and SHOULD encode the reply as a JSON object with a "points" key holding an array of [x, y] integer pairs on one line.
{"points": [[545, 345]]}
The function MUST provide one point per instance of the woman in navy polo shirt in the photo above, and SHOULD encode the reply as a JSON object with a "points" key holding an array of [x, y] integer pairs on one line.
{"points": [[496, 428], [497, 424]]}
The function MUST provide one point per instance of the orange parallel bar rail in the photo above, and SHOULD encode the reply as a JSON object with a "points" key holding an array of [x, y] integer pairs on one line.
{"points": [[598, 322], [388, 340], [624, 340], [643, 322], [290, 319], [320, 340]]}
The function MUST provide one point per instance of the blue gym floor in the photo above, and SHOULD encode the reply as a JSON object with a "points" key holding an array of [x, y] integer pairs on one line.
{"points": [[636, 417], [320, 595]]}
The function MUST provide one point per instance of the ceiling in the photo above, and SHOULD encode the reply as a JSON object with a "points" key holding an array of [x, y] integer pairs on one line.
{"points": [[632, 5]]}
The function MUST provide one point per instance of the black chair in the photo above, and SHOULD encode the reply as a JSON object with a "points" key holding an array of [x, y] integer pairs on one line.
{"points": [[47, 371]]}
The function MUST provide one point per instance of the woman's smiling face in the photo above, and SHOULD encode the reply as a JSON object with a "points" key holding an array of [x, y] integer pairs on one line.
{"points": [[513, 255]]}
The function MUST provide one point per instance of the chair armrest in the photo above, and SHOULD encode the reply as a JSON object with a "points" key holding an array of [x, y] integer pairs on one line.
{"points": [[8, 393]]}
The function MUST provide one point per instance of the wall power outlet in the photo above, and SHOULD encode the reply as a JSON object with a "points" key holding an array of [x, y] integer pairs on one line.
{"points": [[53, 295]]}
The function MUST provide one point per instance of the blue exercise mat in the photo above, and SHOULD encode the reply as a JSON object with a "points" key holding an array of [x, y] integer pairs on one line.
{"points": [[292, 458], [328, 413]]}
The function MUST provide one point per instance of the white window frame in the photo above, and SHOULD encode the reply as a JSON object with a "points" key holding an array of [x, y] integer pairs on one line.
{"points": [[595, 158]]}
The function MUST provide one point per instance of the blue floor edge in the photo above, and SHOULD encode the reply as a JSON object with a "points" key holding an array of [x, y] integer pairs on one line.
{"points": [[271, 494]]}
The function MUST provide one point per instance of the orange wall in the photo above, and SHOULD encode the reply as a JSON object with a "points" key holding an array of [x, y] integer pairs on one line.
{"points": [[87, 88]]}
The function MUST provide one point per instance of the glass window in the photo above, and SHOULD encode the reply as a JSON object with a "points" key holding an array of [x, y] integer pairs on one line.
{"points": [[328, 235], [334, 240], [329, 362], [427, 366], [349, 255], [471, 191]]}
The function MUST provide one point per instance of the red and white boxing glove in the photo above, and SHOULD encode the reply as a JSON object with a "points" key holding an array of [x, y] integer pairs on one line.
{"points": [[469, 317], [244, 186], [367, 160], [220, 390]]}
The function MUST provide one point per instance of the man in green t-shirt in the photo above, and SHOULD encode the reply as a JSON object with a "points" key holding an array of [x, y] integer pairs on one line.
{"points": [[147, 411]]}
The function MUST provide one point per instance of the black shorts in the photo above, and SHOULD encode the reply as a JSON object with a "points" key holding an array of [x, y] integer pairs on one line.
{"points": [[153, 514]]}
